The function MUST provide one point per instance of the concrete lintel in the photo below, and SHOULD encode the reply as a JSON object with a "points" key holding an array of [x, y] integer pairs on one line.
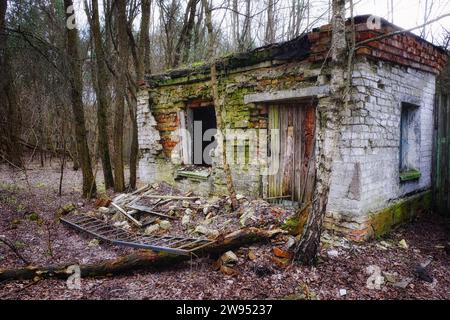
{"points": [[316, 91]]}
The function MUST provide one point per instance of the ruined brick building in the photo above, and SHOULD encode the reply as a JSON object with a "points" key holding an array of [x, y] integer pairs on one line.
{"points": [[269, 96]]}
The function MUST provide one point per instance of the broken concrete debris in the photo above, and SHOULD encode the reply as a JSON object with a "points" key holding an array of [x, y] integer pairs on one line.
{"points": [[333, 253], [225, 263], [403, 284], [229, 258], [186, 219], [210, 233], [94, 243], [375, 280], [103, 210], [160, 210], [402, 244], [123, 225], [165, 225], [252, 255], [117, 217], [151, 229], [185, 204], [342, 292], [390, 277]]}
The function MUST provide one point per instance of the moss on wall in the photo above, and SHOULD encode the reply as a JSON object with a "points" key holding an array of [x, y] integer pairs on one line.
{"points": [[172, 95], [402, 211]]}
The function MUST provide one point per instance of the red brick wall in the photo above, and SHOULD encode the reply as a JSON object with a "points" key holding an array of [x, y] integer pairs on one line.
{"points": [[405, 49]]}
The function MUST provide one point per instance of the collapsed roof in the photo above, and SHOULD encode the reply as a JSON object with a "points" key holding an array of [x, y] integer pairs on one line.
{"points": [[403, 48]]}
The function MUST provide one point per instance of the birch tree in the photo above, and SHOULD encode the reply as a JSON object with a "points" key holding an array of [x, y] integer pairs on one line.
{"points": [[218, 104], [328, 127]]}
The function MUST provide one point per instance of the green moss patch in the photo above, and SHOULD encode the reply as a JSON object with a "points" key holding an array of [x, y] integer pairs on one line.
{"points": [[410, 175], [402, 211]]}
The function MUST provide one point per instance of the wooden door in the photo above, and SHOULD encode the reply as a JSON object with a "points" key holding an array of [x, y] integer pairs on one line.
{"points": [[291, 152]]}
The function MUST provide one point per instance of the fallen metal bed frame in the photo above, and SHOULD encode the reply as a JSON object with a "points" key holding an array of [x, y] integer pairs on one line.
{"points": [[118, 236]]}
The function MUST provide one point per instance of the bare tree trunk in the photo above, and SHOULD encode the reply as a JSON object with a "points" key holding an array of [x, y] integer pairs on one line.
{"points": [[102, 101], [270, 27], [182, 48], [120, 87], [10, 149], [190, 28], [246, 36], [76, 83], [235, 24], [63, 160], [218, 105], [141, 64], [144, 42], [199, 27], [168, 17], [134, 148], [328, 127]]}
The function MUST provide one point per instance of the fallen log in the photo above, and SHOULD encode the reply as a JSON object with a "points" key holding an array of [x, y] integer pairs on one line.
{"points": [[140, 260]]}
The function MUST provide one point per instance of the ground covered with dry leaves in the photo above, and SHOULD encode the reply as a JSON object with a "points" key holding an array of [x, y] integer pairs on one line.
{"points": [[388, 268]]}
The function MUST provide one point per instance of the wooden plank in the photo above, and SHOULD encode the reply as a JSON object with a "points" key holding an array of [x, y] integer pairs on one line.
{"points": [[158, 196], [283, 134], [274, 149], [184, 138], [299, 159], [126, 214], [149, 210]]}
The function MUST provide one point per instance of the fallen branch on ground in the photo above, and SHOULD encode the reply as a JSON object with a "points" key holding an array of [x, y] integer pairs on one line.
{"points": [[55, 152], [13, 249], [141, 260]]}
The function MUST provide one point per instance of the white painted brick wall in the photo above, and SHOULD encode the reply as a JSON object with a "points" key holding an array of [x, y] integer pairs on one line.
{"points": [[372, 137]]}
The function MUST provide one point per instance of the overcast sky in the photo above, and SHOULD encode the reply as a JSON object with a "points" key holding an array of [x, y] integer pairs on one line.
{"points": [[406, 13], [409, 13]]}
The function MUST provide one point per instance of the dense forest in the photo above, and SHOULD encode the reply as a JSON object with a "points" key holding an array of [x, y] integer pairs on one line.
{"points": [[71, 72]]}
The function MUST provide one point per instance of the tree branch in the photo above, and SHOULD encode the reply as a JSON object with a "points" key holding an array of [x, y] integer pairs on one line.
{"points": [[388, 35]]}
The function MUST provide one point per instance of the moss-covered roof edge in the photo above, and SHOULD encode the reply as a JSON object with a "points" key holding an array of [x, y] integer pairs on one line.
{"points": [[297, 49]]}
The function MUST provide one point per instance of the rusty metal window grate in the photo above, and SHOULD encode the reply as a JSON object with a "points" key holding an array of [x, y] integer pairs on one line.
{"points": [[115, 235]]}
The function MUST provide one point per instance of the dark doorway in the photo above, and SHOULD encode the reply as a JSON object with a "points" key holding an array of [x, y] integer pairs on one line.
{"points": [[205, 127]]}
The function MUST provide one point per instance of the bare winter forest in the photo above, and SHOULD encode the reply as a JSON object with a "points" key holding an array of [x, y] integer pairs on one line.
{"points": [[224, 149]]}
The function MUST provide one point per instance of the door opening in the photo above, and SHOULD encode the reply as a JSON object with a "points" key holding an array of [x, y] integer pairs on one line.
{"points": [[204, 127]]}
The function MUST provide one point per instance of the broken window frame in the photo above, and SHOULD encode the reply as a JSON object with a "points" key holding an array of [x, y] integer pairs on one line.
{"points": [[410, 135]]}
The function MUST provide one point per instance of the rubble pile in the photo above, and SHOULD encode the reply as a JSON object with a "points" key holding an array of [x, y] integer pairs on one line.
{"points": [[161, 209]]}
